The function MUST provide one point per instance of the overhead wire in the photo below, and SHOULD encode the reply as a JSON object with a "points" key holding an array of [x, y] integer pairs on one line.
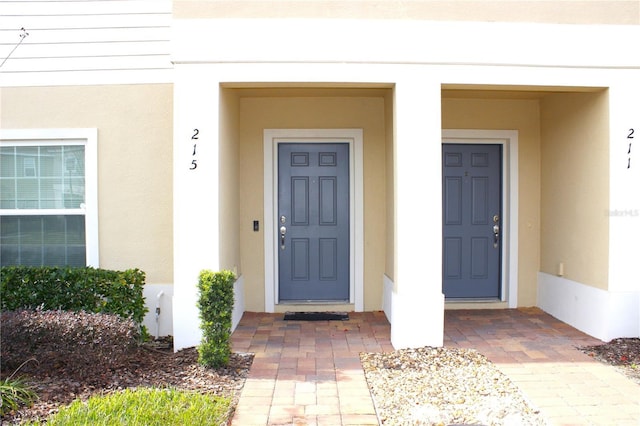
{"points": [[23, 34]]}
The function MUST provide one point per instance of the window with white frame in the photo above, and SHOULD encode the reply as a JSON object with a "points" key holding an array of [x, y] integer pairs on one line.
{"points": [[48, 197]]}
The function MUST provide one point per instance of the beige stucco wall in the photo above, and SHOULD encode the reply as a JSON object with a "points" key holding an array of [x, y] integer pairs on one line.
{"points": [[229, 195], [310, 109], [389, 266], [135, 145], [522, 115], [575, 186], [558, 11]]}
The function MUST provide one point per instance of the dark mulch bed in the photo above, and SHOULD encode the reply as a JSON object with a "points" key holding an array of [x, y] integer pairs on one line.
{"points": [[622, 353], [152, 364]]}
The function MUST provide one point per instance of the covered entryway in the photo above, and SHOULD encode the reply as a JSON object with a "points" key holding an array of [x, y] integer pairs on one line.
{"points": [[554, 234]]}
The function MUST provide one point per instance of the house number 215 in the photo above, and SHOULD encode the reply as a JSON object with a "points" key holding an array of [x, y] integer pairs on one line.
{"points": [[194, 160]]}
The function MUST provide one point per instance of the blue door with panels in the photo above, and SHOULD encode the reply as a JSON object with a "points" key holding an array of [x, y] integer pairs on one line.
{"points": [[313, 222], [472, 217]]}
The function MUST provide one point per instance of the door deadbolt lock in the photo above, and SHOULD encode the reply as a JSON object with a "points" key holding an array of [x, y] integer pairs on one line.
{"points": [[283, 219]]}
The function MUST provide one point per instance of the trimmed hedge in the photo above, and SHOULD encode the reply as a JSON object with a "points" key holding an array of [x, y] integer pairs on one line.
{"points": [[73, 289], [216, 305]]}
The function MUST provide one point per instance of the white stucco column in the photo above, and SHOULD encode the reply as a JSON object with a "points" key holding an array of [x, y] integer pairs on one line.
{"points": [[195, 195], [417, 300], [624, 210]]}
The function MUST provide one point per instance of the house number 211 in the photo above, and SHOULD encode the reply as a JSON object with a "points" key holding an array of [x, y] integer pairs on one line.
{"points": [[630, 138], [194, 160]]}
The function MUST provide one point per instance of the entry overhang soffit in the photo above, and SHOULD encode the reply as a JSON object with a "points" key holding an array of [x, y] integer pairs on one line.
{"points": [[401, 42]]}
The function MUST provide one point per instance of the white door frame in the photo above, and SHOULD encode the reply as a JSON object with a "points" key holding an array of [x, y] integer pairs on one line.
{"points": [[509, 141], [356, 207]]}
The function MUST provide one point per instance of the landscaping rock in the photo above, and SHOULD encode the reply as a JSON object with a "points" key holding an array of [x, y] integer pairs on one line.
{"points": [[444, 386]]}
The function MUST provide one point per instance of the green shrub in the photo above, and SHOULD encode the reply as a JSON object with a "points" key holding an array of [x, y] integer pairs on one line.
{"points": [[73, 289], [216, 304], [145, 406]]}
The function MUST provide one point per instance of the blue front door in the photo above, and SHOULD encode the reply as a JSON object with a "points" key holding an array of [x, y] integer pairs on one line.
{"points": [[472, 220], [313, 221]]}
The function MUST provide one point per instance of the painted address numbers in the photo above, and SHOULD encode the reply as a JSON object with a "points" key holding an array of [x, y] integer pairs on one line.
{"points": [[194, 160], [630, 140], [196, 132]]}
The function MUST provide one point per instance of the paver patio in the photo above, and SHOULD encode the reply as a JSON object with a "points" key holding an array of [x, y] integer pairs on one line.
{"points": [[309, 373]]}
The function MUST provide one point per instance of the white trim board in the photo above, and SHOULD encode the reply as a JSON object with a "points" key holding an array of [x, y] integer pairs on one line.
{"points": [[509, 141], [238, 305], [383, 41], [354, 137], [387, 297], [158, 296], [602, 314]]}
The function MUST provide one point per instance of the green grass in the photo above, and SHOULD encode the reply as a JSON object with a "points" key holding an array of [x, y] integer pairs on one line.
{"points": [[145, 406]]}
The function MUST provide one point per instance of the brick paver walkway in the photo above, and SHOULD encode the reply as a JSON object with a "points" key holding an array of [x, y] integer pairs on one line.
{"points": [[309, 373], [537, 352]]}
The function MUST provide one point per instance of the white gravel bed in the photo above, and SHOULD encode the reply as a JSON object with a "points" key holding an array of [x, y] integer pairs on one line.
{"points": [[444, 386]]}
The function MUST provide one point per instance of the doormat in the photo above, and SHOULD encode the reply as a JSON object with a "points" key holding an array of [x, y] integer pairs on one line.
{"points": [[316, 316]]}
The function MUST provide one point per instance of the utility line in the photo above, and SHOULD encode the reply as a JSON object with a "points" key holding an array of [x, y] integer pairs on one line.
{"points": [[23, 35]]}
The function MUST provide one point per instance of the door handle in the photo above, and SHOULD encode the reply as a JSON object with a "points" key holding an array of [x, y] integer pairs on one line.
{"points": [[496, 235], [283, 232]]}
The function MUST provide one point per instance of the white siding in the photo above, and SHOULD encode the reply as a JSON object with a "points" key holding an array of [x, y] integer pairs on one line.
{"points": [[85, 42]]}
